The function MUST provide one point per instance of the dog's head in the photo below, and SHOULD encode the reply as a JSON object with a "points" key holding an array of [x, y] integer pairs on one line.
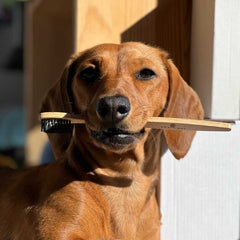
{"points": [[116, 88]]}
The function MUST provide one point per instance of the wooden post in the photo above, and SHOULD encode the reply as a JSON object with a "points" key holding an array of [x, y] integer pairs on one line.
{"points": [[103, 21], [48, 45]]}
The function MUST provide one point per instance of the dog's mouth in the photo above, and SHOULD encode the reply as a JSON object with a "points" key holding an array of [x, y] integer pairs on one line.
{"points": [[116, 138]]}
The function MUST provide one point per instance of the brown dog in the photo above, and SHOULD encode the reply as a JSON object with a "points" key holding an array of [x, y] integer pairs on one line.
{"points": [[104, 183]]}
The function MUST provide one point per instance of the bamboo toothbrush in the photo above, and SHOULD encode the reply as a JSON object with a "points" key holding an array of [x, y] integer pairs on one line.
{"points": [[61, 122]]}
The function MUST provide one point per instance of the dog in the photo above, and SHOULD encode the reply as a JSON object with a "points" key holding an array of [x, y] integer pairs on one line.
{"points": [[105, 181]]}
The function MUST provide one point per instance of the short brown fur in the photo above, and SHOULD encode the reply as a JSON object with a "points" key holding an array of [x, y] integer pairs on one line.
{"points": [[94, 191]]}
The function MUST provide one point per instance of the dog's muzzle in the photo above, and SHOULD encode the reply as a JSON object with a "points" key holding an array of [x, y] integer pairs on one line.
{"points": [[116, 138], [111, 111]]}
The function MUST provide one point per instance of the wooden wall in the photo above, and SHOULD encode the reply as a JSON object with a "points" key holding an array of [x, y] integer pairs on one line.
{"points": [[163, 23], [57, 28], [48, 44], [101, 21], [168, 27]]}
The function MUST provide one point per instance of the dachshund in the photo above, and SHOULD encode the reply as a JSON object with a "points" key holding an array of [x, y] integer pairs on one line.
{"points": [[104, 183]]}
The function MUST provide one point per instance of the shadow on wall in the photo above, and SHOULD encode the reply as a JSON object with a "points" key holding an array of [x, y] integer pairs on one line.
{"points": [[168, 27]]}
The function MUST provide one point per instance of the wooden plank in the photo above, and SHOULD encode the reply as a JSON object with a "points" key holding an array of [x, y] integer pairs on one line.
{"points": [[168, 27], [163, 23], [103, 21], [48, 45]]}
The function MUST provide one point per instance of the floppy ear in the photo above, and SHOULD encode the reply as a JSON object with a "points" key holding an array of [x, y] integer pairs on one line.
{"points": [[183, 102], [59, 99]]}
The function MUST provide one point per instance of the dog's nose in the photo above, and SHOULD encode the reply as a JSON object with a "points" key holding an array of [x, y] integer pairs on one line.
{"points": [[114, 108]]}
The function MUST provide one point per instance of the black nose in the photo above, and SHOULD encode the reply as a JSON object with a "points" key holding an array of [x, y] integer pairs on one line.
{"points": [[113, 109]]}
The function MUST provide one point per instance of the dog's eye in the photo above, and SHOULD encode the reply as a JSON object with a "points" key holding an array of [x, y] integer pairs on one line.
{"points": [[90, 74], [145, 74]]}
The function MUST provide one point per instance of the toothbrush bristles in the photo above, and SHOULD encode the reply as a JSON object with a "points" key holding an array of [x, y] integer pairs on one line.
{"points": [[54, 125]]}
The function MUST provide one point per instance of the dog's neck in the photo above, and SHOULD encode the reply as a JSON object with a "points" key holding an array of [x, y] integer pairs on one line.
{"points": [[144, 156], [132, 176]]}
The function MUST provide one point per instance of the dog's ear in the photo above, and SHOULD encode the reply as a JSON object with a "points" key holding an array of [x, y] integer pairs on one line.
{"points": [[59, 98], [183, 102]]}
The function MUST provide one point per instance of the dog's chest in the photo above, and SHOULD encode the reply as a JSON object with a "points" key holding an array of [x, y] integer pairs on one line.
{"points": [[126, 206], [91, 211], [77, 211]]}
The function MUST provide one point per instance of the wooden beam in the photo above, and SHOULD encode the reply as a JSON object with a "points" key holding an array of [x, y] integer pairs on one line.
{"points": [[48, 45], [103, 21]]}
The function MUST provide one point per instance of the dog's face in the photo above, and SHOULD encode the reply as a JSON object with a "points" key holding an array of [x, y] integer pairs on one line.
{"points": [[117, 87]]}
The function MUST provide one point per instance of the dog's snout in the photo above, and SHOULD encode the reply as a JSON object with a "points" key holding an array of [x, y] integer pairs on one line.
{"points": [[114, 108]]}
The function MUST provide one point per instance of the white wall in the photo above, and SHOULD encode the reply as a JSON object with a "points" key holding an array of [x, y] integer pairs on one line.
{"points": [[215, 51], [200, 194], [226, 72]]}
